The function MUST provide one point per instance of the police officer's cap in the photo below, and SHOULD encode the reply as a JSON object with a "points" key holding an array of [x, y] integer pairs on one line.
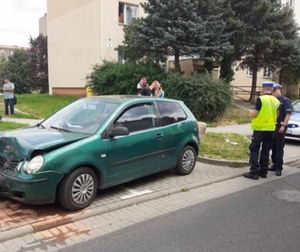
{"points": [[277, 86], [268, 84]]}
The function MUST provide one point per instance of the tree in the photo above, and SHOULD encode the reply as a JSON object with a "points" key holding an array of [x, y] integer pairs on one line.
{"points": [[142, 54], [3, 66], [266, 34], [37, 63], [179, 28], [15, 69]]}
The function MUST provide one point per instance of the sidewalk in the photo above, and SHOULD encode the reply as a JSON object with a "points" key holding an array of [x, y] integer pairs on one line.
{"points": [[17, 219], [30, 122]]}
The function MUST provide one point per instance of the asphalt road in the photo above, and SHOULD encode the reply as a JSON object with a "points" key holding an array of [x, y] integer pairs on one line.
{"points": [[256, 219]]}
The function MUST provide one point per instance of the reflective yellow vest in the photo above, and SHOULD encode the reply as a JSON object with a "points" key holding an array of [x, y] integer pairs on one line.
{"points": [[267, 116]]}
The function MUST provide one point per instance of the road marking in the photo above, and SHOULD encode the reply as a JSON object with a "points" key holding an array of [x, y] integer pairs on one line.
{"points": [[135, 193]]}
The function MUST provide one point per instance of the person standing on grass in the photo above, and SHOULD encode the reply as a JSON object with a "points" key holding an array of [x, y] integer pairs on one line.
{"points": [[284, 116], [8, 93], [263, 123]]}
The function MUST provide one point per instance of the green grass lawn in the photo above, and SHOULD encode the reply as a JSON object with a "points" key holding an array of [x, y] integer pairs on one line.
{"points": [[232, 115], [38, 106], [10, 126], [227, 146]]}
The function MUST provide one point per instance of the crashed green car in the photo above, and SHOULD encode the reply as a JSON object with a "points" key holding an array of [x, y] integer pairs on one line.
{"points": [[96, 143]]}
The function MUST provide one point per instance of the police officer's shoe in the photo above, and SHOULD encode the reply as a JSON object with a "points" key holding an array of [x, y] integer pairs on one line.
{"points": [[278, 173], [250, 175], [272, 168], [263, 175]]}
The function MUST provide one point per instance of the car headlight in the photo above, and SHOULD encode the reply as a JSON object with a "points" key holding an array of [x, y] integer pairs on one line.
{"points": [[34, 164]]}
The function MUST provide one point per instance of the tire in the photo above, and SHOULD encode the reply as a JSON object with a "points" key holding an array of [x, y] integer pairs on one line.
{"points": [[78, 189], [187, 161]]}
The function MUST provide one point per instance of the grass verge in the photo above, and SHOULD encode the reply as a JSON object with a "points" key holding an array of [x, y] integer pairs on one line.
{"points": [[38, 106], [11, 126], [233, 115], [229, 146]]}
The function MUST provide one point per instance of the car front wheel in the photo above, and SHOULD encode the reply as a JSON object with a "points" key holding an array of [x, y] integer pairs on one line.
{"points": [[187, 161], [78, 189]]}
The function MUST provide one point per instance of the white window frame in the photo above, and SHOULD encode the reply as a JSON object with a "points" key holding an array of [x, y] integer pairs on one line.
{"points": [[124, 11], [266, 69], [249, 72]]}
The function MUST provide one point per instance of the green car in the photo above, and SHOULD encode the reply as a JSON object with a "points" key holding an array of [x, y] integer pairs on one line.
{"points": [[95, 143]]}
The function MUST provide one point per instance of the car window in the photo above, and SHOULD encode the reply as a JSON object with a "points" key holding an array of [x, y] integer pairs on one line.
{"points": [[83, 116], [170, 112], [137, 118], [296, 106]]}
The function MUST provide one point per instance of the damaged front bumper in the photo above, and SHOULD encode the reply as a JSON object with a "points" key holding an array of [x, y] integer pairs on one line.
{"points": [[39, 188]]}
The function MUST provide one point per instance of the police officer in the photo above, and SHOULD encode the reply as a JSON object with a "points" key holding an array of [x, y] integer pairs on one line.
{"points": [[284, 116], [264, 118]]}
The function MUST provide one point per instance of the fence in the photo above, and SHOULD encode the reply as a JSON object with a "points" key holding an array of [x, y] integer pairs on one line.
{"points": [[243, 92]]}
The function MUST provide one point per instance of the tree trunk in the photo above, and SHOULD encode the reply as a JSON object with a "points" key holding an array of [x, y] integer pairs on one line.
{"points": [[281, 76], [252, 98], [177, 61], [226, 72]]}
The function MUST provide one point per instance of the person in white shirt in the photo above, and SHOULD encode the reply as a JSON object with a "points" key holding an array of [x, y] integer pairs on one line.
{"points": [[8, 93]]}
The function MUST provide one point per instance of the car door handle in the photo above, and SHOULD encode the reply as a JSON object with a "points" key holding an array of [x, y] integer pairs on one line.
{"points": [[159, 136]]}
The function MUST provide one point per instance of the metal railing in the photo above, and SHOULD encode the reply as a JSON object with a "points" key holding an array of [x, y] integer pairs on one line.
{"points": [[243, 92]]}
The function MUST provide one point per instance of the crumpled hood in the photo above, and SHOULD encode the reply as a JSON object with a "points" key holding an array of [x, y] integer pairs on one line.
{"points": [[19, 144]]}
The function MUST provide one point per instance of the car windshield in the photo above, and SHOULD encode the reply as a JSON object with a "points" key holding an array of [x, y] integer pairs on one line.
{"points": [[296, 106], [83, 116]]}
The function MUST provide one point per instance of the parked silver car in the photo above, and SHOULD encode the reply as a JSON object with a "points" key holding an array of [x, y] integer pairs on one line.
{"points": [[293, 129]]}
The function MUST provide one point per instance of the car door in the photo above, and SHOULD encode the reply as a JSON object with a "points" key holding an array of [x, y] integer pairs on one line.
{"points": [[171, 121], [139, 153]]}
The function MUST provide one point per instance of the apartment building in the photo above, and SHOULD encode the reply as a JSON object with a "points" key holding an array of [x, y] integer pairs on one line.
{"points": [[7, 50], [43, 25], [83, 33]]}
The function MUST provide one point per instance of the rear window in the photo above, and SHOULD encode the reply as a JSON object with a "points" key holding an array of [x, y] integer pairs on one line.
{"points": [[170, 112], [296, 106]]}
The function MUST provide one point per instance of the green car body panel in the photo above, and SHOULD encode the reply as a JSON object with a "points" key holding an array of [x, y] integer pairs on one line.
{"points": [[115, 160]]}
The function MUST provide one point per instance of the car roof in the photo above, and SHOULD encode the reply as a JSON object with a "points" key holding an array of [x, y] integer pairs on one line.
{"points": [[127, 98]]}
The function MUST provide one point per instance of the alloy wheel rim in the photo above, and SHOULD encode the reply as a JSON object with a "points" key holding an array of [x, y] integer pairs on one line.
{"points": [[83, 189], [188, 160]]}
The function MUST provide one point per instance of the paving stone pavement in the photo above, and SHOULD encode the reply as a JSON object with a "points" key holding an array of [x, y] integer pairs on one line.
{"points": [[66, 235], [15, 215]]}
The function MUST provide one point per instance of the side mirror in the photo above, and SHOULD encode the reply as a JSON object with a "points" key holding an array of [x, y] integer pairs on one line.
{"points": [[118, 131]]}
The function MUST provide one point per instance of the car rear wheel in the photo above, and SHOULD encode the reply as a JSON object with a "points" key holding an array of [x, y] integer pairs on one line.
{"points": [[187, 161], [78, 189]]}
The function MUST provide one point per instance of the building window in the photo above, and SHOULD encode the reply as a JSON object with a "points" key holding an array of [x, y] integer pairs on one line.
{"points": [[289, 2], [249, 71], [267, 72], [127, 13], [121, 58]]}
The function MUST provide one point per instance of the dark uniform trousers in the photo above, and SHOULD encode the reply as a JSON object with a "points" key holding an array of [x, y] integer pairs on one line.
{"points": [[259, 160], [277, 149]]}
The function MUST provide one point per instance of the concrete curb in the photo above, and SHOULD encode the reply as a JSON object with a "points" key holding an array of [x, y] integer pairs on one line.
{"points": [[44, 225], [223, 162], [291, 160], [236, 163]]}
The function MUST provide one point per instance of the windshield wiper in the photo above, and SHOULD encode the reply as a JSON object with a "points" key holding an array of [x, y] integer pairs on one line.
{"points": [[41, 125], [60, 129]]}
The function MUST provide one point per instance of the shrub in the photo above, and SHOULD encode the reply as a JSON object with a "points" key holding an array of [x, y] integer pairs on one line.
{"points": [[207, 98], [114, 78]]}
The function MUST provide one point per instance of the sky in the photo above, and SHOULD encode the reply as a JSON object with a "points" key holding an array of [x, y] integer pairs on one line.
{"points": [[19, 19]]}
